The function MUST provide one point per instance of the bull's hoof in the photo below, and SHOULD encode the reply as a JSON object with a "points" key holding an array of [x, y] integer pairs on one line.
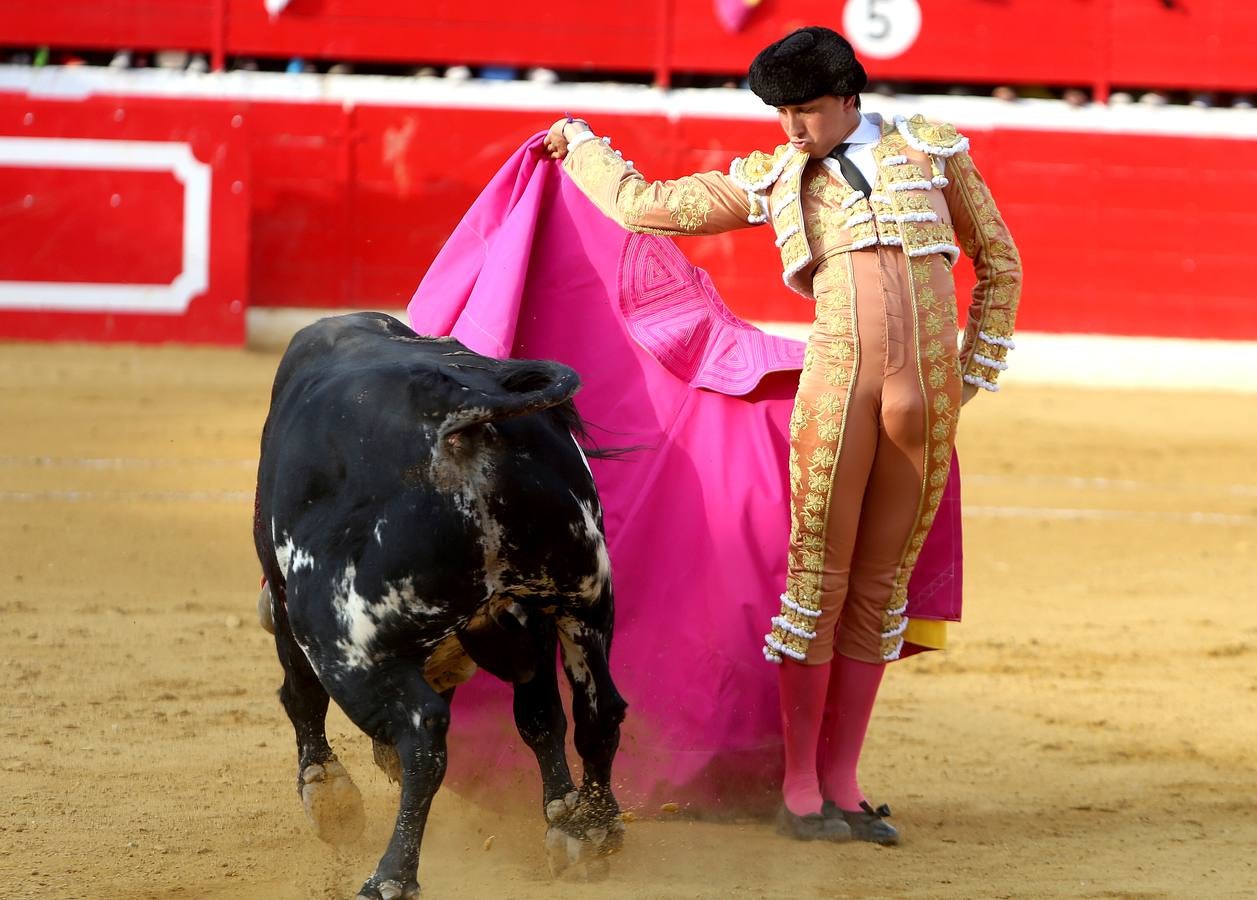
{"points": [[266, 609], [377, 888], [387, 759], [575, 859], [332, 803], [578, 844]]}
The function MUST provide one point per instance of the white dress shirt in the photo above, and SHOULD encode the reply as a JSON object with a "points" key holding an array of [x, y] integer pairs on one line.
{"points": [[867, 135]]}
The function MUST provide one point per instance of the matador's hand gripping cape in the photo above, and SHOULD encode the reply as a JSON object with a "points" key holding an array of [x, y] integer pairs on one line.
{"points": [[697, 521]]}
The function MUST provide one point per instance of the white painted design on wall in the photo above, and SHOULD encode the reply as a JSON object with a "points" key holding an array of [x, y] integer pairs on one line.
{"points": [[130, 156]]}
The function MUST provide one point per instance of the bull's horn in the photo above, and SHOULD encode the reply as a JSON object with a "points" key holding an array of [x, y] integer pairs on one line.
{"points": [[527, 386]]}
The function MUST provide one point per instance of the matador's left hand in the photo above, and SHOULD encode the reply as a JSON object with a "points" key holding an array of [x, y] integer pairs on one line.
{"points": [[556, 140], [561, 132]]}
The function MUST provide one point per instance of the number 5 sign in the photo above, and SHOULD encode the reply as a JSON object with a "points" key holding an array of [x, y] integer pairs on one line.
{"points": [[881, 28]]}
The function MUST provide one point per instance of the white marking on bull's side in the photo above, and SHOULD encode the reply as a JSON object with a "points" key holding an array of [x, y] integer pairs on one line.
{"points": [[283, 549], [574, 659], [361, 617], [288, 555], [359, 625], [591, 586], [468, 481], [379, 527], [301, 560], [491, 545]]}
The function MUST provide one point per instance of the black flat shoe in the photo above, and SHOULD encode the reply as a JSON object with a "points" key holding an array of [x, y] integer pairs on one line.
{"points": [[812, 827], [867, 824]]}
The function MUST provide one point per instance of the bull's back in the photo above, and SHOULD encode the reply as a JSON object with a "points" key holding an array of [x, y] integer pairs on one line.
{"points": [[356, 470]]}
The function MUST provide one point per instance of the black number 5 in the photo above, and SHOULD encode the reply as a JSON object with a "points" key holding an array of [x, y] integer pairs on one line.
{"points": [[881, 29]]}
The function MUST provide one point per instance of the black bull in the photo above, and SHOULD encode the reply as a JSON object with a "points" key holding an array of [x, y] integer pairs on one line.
{"points": [[423, 510]]}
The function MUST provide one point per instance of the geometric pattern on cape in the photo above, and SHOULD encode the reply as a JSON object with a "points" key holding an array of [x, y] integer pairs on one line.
{"points": [[673, 312]]}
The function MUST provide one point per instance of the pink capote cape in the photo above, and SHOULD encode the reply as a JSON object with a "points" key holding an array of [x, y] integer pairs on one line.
{"points": [[697, 521]]}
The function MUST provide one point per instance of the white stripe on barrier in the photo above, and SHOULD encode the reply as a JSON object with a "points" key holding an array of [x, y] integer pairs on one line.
{"points": [[1111, 361], [733, 103], [130, 156], [1077, 360]]}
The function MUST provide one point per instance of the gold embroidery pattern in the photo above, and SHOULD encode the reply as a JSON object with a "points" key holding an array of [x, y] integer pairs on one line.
{"points": [[904, 173], [831, 228], [788, 219], [595, 167], [911, 202], [828, 217], [816, 431], [892, 144], [938, 373], [688, 204], [635, 201], [758, 164], [796, 252], [926, 234], [600, 173], [862, 233], [936, 134], [996, 300]]}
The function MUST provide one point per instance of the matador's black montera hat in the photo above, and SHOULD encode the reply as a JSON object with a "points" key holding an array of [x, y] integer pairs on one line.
{"points": [[805, 64]]}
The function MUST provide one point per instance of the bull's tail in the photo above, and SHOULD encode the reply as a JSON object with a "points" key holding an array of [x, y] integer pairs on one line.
{"points": [[527, 386]]}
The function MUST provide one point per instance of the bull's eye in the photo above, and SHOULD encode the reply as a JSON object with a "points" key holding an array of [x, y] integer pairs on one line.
{"points": [[454, 440]]}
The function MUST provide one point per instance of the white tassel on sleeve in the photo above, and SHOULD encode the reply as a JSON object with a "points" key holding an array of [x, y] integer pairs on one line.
{"points": [[997, 340], [981, 382], [997, 364]]}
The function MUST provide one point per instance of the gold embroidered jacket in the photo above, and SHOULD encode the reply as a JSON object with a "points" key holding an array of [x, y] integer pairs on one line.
{"points": [[929, 198]]}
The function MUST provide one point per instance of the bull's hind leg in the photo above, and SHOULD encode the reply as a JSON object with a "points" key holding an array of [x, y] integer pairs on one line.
{"points": [[395, 706], [541, 723], [597, 709], [331, 800]]}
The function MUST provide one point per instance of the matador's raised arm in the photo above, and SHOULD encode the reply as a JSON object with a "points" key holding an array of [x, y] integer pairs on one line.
{"points": [[707, 203]]}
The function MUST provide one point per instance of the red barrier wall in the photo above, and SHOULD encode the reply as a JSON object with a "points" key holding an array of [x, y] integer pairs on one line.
{"points": [[1197, 44], [123, 219], [337, 204], [1119, 232]]}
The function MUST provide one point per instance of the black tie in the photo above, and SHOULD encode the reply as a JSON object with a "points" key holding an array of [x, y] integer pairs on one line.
{"points": [[850, 170]]}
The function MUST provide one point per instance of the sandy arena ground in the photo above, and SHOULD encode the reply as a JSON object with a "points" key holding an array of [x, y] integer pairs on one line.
{"points": [[1090, 734]]}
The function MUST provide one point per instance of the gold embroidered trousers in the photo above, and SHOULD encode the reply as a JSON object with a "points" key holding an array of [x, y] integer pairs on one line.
{"points": [[871, 441]]}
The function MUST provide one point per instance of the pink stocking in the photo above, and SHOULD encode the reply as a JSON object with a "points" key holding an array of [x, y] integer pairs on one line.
{"points": [[848, 707], [802, 690]]}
